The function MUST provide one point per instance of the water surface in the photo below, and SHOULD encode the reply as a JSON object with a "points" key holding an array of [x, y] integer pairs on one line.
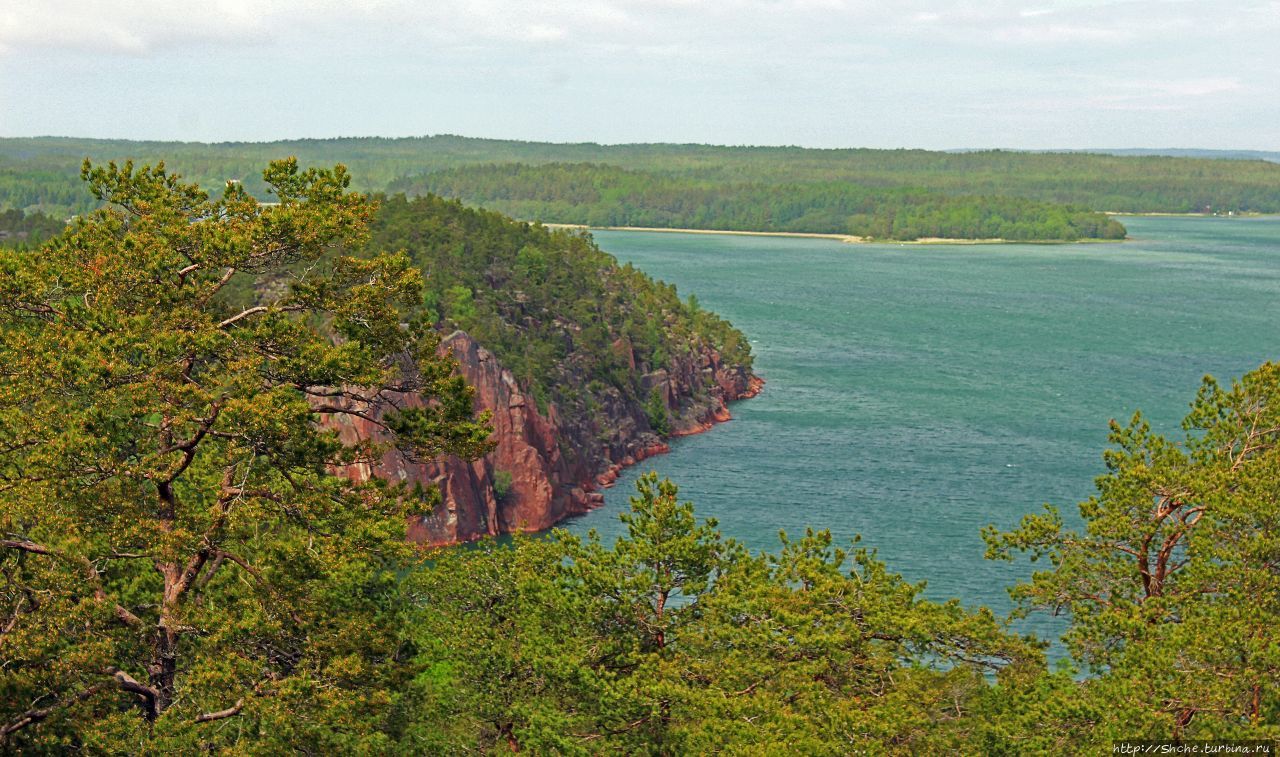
{"points": [[918, 393]]}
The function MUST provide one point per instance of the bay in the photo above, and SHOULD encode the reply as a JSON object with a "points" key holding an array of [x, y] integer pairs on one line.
{"points": [[917, 393]]}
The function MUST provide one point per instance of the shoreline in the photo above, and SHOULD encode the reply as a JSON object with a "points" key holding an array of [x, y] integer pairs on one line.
{"points": [[847, 238], [1130, 214], [608, 478], [844, 238]]}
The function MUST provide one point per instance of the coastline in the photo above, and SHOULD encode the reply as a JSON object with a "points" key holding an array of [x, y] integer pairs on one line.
{"points": [[848, 238], [545, 486], [592, 487], [845, 238], [608, 477], [1130, 214]]}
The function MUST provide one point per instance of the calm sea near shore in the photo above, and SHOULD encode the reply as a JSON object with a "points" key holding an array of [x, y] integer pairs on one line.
{"points": [[918, 393]]}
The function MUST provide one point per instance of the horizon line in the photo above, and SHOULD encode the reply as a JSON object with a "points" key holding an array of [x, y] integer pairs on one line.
{"points": [[586, 143]]}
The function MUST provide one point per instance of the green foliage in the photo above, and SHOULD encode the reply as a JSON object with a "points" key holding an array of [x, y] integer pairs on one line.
{"points": [[572, 326], [27, 229], [501, 484], [655, 410], [182, 571], [674, 640], [460, 304], [1172, 586], [175, 551], [600, 195], [40, 173]]}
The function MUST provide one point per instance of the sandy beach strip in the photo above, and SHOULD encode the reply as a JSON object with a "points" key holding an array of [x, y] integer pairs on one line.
{"points": [[846, 238], [661, 230]]}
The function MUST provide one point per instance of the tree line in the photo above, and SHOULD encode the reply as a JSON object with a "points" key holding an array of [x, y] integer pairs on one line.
{"points": [[603, 196], [42, 173]]}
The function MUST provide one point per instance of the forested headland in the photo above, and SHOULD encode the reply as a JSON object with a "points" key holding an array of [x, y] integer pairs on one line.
{"points": [[587, 365], [547, 303], [889, 194]]}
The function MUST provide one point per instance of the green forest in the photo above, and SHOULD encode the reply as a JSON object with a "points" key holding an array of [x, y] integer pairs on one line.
{"points": [[182, 571], [19, 228], [603, 196], [894, 194], [550, 304]]}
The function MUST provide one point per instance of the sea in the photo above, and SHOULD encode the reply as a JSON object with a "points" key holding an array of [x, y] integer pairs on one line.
{"points": [[917, 393]]}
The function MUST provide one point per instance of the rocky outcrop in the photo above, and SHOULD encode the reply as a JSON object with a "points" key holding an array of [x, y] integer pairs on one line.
{"points": [[545, 467]]}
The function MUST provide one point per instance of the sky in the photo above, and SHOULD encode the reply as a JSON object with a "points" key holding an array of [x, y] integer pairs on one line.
{"points": [[1034, 74]]}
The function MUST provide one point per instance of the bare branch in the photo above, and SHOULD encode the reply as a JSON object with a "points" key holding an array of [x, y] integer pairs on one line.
{"points": [[258, 309], [226, 276], [243, 563], [230, 712], [31, 717], [148, 695], [243, 314], [339, 410], [25, 599], [26, 546], [257, 574], [204, 578], [90, 572], [182, 274]]}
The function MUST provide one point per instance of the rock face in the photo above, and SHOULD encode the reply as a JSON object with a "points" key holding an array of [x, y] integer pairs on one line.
{"points": [[554, 465]]}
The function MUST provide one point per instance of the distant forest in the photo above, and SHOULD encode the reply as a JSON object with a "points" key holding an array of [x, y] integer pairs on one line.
{"points": [[898, 194], [597, 195], [27, 229]]}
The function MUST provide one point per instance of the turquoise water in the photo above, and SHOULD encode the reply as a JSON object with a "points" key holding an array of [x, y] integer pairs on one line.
{"points": [[918, 393]]}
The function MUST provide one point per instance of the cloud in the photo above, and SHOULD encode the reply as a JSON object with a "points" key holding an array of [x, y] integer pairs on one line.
{"points": [[831, 71], [1141, 95], [1062, 33], [145, 27], [1112, 23], [139, 27], [1196, 87]]}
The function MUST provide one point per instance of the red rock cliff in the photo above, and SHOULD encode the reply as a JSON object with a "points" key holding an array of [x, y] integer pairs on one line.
{"points": [[555, 464]]}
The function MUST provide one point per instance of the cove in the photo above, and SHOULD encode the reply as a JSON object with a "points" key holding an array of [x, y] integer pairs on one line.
{"points": [[918, 393]]}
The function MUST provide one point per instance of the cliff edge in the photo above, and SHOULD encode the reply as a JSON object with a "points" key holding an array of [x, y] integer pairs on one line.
{"points": [[546, 467]]}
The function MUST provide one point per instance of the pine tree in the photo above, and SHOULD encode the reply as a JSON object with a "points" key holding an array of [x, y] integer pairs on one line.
{"points": [[176, 550], [1172, 585]]}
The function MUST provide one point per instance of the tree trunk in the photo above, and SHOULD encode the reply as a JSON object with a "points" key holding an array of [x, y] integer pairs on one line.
{"points": [[163, 669]]}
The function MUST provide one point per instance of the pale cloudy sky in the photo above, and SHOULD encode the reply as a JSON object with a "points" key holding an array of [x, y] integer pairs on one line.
{"points": [[825, 73]]}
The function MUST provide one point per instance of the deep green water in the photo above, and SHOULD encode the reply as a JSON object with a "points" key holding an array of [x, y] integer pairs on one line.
{"points": [[918, 393]]}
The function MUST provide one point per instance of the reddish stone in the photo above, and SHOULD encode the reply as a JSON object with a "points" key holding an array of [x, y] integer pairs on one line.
{"points": [[545, 487]]}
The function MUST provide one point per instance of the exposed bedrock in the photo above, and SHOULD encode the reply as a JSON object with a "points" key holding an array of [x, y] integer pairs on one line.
{"points": [[546, 467]]}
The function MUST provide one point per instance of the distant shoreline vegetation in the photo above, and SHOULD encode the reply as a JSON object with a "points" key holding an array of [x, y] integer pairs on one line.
{"points": [[607, 196], [846, 238], [889, 195]]}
